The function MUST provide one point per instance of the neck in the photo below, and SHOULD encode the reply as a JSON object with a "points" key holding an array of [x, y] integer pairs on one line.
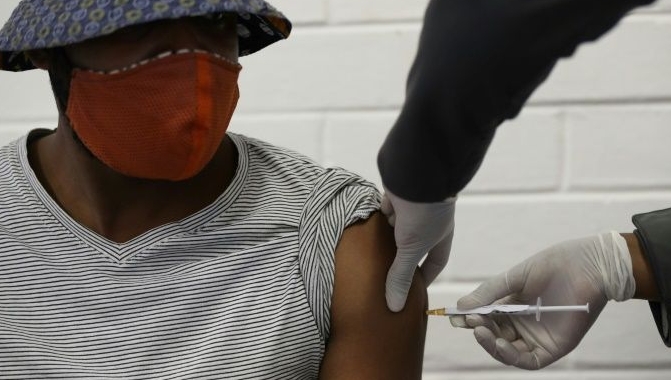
{"points": [[116, 206]]}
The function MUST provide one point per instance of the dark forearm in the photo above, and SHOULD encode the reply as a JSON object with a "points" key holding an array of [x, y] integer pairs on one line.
{"points": [[429, 164], [477, 63]]}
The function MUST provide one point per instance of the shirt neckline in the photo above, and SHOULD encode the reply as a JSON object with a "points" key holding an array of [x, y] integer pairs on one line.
{"points": [[123, 252]]}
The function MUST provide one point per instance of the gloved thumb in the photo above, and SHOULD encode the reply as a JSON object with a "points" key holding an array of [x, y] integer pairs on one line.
{"points": [[399, 280], [494, 289], [436, 259]]}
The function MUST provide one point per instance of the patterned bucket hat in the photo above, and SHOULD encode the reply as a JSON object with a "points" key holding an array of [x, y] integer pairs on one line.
{"points": [[39, 24]]}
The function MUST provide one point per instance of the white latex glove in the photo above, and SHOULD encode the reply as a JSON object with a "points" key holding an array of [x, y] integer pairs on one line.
{"points": [[419, 228], [593, 269]]}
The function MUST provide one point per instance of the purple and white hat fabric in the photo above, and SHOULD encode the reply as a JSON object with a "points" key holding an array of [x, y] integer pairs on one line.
{"points": [[39, 24]]}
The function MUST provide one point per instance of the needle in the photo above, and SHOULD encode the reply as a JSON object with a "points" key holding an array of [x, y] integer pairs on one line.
{"points": [[536, 309]]}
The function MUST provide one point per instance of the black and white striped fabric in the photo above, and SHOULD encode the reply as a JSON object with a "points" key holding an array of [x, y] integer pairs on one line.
{"points": [[240, 289]]}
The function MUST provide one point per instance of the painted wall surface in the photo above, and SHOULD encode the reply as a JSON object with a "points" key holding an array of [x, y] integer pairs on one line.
{"points": [[589, 151]]}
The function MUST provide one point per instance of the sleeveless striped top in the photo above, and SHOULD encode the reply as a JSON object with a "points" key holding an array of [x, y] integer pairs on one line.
{"points": [[239, 290]]}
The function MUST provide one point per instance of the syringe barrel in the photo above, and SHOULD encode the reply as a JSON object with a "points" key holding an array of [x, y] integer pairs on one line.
{"points": [[564, 308]]}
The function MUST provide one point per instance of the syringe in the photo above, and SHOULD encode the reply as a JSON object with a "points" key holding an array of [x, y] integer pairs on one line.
{"points": [[510, 309]]}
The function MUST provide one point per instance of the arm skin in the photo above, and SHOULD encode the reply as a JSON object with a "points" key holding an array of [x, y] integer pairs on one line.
{"points": [[653, 231], [646, 288], [367, 340]]}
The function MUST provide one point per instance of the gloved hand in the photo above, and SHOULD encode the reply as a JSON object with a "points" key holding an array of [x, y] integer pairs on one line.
{"points": [[593, 269], [419, 228]]}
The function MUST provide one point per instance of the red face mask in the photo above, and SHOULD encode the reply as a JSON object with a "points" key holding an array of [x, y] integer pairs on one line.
{"points": [[161, 120]]}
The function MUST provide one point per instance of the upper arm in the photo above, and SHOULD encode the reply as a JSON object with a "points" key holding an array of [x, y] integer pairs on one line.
{"points": [[366, 339]]}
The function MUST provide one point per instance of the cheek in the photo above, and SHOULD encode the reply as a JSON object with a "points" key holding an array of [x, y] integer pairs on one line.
{"points": [[226, 47], [104, 57]]}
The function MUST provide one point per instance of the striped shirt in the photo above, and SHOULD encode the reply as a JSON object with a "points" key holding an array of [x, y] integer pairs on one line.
{"points": [[240, 289]]}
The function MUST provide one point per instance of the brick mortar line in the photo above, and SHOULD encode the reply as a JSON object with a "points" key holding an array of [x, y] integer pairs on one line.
{"points": [[533, 105], [602, 196], [655, 15], [353, 111]]}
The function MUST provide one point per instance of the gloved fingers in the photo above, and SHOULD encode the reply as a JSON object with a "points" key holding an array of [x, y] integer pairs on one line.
{"points": [[501, 327], [489, 342], [486, 339], [485, 294], [469, 321], [509, 354], [431, 270], [535, 359], [399, 280], [437, 259], [459, 321], [519, 344], [497, 287], [518, 353], [475, 320], [508, 331]]}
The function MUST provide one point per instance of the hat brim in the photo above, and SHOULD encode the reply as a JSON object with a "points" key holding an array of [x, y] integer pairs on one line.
{"points": [[44, 24]]}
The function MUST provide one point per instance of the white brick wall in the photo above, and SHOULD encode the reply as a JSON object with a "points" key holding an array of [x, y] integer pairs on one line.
{"points": [[590, 151]]}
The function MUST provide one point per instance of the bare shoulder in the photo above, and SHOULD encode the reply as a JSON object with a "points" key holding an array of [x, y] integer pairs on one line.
{"points": [[367, 340]]}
